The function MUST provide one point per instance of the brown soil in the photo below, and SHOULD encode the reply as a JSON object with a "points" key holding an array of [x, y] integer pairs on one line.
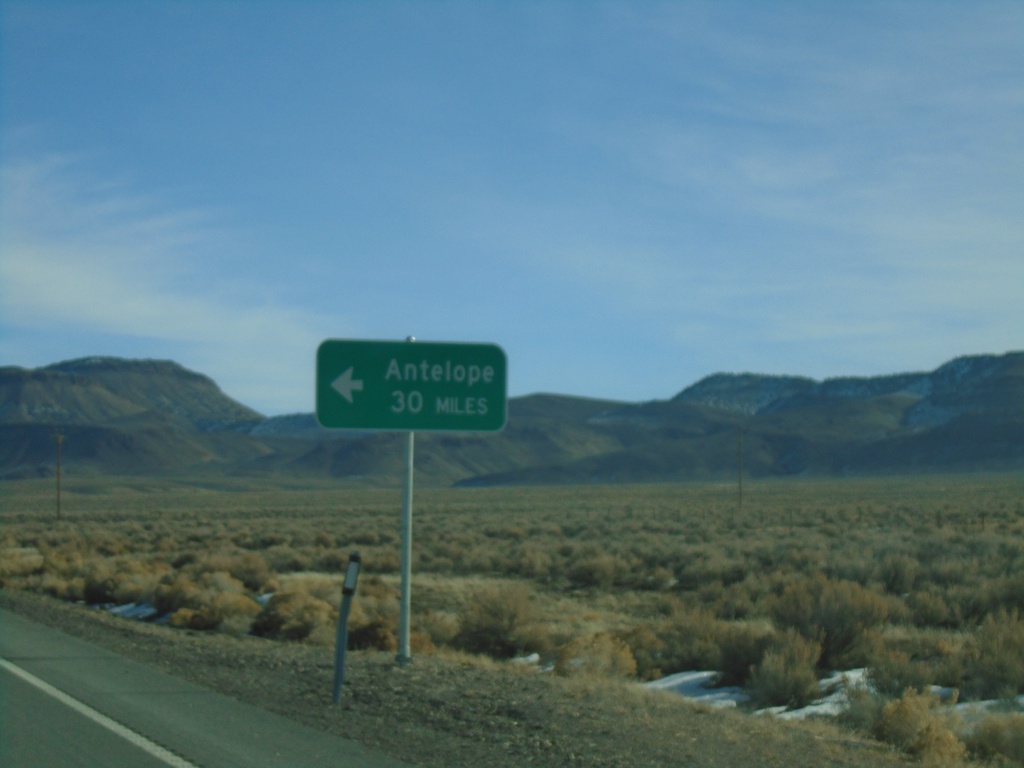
{"points": [[455, 712]]}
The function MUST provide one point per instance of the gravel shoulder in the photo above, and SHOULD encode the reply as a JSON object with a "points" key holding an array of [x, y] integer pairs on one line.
{"points": [[460, 712]]}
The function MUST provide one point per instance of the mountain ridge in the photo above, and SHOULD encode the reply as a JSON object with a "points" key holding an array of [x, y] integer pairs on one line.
{"points": [[156, 417]]}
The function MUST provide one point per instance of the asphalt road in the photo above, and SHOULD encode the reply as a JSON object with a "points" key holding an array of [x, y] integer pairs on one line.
{"points": [[68, 703], [40, 730]]}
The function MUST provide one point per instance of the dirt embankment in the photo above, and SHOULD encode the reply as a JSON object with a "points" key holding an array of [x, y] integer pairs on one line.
{"points": [[454, 712]]}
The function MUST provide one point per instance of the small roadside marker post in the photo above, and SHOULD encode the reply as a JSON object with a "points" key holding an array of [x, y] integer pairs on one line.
{"points": [[410, 387], [348, 589]]}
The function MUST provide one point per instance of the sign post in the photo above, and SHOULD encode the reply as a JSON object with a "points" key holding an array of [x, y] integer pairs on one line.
{"points": [[409, 387], [405, 598]]}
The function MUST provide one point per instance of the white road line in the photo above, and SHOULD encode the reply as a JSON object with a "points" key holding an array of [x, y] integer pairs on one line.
{"points": [[98, 717]]}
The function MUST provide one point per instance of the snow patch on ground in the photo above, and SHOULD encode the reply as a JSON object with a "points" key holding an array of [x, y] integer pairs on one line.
{"points": [[700, 688], [137, 611], [834, 697]]}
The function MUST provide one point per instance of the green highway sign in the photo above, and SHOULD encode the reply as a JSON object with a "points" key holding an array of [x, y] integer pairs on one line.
{"points": [[411, 386]]}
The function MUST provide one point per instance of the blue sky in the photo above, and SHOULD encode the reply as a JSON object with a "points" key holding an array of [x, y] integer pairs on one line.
{"points": [[626, 196]]}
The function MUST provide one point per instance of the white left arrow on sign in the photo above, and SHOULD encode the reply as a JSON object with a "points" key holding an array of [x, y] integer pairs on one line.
{"points": [[345, 385]]}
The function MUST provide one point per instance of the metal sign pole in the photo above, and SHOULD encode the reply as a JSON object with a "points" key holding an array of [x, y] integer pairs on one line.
{"points": [[404, 653]]}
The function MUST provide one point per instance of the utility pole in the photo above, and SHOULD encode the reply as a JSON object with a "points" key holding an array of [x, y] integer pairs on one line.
{"points": [[739, 475], [59, 439]]}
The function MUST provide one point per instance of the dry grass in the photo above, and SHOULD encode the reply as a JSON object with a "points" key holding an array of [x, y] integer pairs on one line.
{"points": [[921, 579]]}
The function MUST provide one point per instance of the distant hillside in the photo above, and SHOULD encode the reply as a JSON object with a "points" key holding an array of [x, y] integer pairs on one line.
{"points": [[119, 416], [103, 390], [142, 417]]}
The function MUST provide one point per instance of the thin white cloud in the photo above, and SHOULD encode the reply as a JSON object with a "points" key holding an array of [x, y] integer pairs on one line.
{"points": [[93, 257], [878, 182]]}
